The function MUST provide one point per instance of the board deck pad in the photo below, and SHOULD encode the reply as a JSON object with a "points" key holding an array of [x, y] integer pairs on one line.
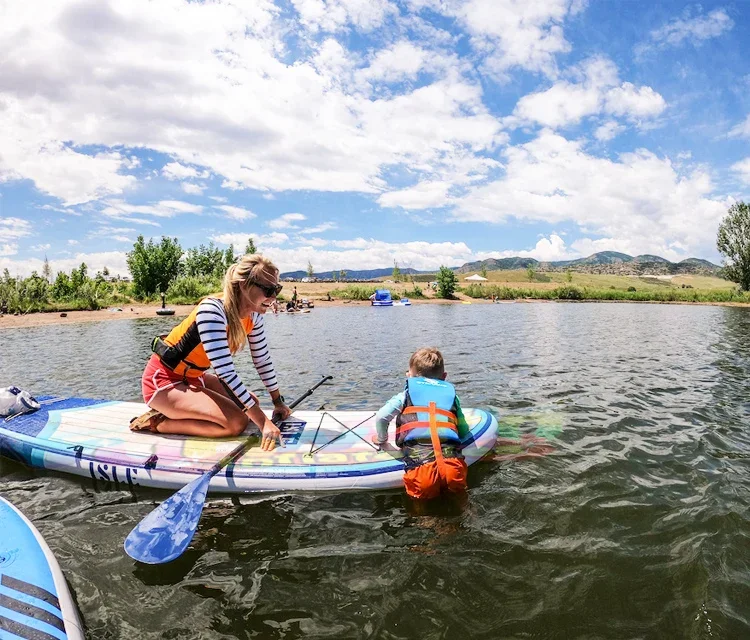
{"points": [[323, 449]]}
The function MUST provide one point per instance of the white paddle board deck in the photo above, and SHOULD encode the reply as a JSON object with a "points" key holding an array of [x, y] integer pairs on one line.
{"points": [[324, 450], [35, 602]]}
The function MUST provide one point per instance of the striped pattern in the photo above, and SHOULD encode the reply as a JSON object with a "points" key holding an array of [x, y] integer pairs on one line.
{"points": [[23, 615], [211, 321]]}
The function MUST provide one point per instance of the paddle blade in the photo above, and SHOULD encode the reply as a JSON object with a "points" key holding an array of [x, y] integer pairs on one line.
{"points": [[167, 531]]}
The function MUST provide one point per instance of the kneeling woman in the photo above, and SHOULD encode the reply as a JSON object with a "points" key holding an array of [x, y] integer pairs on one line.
{"points": [[183, 397]]}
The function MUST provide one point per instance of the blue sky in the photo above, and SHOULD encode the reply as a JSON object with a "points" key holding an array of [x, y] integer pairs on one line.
{"points": [[352, 133]]}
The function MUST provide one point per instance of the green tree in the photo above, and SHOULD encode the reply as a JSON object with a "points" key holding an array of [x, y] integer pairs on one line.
{"points": [[447, 282], [396, 272], [334, 275], [568, 275], [342, 275], [205, 261], [530, 273], [62, 287], [154, 266], [733, 242], [250, 247], [46, 271], [78, 277], [483, 272], [310, 270], [229, 258]]}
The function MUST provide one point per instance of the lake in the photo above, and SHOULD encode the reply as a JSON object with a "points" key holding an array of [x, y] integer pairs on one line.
{"points": [[635, 524]]}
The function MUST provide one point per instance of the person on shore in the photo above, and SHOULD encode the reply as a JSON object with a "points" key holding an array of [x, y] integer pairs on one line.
{"points": [[294, 298], [184, 398], [429, 428]]}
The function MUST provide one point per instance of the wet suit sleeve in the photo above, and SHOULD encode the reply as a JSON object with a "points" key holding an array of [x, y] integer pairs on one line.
{"points": [[261, 356], [211, 320], [387, 413], [462, 426]]}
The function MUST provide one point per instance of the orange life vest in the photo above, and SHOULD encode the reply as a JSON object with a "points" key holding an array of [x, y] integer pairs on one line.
{"points": [[182, 350]]}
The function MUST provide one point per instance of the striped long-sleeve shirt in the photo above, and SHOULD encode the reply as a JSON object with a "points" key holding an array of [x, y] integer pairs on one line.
{"points": [[211, 320]]}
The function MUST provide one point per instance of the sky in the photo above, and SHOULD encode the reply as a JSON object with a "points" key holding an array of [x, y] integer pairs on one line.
{"points": [[354, 133]]}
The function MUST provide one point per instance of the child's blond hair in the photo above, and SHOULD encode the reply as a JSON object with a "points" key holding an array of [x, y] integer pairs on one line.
{"points": [[428, 363]]}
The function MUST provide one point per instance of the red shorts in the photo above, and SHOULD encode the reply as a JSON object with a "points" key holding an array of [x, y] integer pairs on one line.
{"points": [[156, 377], [428, 480]]}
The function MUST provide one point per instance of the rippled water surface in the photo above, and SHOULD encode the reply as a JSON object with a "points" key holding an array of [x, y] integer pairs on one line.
{"points": [[635, 524]]}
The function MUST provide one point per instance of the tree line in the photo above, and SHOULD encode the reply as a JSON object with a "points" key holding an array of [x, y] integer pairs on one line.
{"points": [[186, 276]]}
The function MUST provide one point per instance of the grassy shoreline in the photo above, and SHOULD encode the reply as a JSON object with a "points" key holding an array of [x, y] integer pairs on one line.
{"points": [[582, 294]]}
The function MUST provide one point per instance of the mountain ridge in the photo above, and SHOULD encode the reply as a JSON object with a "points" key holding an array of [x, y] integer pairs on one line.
{"points": [[610, 262]]}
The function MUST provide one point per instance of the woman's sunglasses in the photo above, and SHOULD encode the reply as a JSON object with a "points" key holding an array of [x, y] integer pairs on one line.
{"points": [[270, 291]]}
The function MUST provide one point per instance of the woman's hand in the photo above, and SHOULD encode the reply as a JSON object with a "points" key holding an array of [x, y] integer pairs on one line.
{"points": [[281, 412], [270, 434]]}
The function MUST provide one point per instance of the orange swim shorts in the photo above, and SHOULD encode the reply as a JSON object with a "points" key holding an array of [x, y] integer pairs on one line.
{"points": [[428, 480]]}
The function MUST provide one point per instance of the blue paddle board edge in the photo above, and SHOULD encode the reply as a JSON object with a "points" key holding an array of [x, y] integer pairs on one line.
{"points": [[26, 547]]}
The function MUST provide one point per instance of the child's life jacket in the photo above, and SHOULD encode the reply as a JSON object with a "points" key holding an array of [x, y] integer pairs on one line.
{"points": [[429, 415]]}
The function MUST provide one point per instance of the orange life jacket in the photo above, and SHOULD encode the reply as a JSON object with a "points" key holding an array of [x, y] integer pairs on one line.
{"points": [[182, 350]]}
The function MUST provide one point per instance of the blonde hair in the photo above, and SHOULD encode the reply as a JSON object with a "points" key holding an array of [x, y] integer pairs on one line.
{"points": [[428, 363], [241, 274]]}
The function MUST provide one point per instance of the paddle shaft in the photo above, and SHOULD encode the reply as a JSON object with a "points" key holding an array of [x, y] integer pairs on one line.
{"points": [[238, 451]]}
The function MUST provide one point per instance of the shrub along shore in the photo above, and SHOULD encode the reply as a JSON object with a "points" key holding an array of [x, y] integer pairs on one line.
{"points": [[79, 291], [571, 292]]}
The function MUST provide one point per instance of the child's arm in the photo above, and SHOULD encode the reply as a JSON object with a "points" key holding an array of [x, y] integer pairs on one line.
{"points": [[462, 426], [385, 415]]}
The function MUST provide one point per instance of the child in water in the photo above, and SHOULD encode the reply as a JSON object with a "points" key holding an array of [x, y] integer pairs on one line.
{"points": [[429, 428]]}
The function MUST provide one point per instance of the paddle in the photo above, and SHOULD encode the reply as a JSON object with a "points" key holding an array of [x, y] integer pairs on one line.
{"points": [[167, 531]]}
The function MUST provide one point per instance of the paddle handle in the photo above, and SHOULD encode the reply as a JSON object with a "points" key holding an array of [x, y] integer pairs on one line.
{"points": [[238, 451]]}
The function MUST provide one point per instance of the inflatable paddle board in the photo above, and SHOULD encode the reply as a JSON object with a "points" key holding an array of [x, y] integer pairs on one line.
{"points": [[35, 602], [324, 450]]}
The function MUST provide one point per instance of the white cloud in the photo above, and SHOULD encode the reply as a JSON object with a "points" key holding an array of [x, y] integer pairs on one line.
{"points": [[742, 168], [115, 234], [421, 196], [321, 228], [162, 209], [211, 86], [512, 34], [640, 199], [332, 15], [239, 240], [546, 250], [236, 213], [608, 131], [192, 189], [177, 171], [14, 228], [41, 247], [55, 168], [8, 249], [402, 61], [364, 253], [693, 30], [599, 91], [115, 261], [741, 130], [286, 221]]}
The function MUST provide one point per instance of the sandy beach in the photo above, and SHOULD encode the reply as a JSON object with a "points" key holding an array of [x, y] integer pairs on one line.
{"points": [[129, 312]]}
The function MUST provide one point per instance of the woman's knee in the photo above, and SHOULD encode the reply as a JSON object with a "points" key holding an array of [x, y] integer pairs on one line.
{"points": [[237, 424]]}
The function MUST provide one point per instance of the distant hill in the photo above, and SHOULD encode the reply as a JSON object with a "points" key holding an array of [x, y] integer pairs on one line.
{"points": [[351, 274], [611, 262]]}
